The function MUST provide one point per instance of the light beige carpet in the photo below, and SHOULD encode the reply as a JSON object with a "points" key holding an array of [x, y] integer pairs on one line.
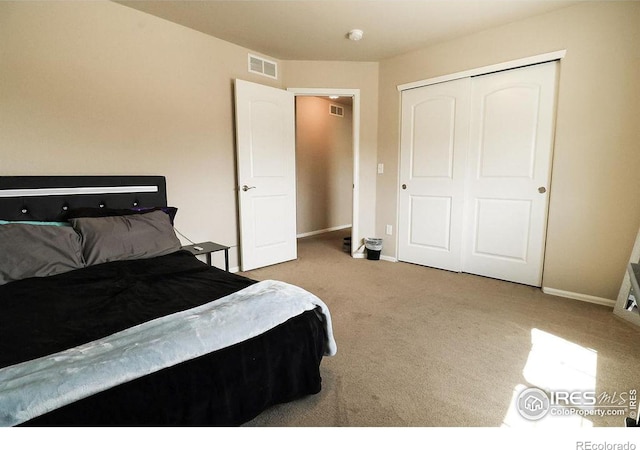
{"points": [[424, 347]]}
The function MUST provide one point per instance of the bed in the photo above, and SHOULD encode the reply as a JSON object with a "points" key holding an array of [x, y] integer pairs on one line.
{"points": [[107, 322]]}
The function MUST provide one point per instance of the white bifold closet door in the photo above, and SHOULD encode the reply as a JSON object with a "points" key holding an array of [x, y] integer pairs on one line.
{"points": [[475, 171]]}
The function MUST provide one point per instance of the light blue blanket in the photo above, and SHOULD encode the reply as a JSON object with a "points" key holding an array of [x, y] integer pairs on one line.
{"points": [[35, 387]]}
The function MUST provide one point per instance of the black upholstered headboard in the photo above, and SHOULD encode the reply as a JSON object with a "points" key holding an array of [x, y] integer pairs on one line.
{"points": [[47, 198]]}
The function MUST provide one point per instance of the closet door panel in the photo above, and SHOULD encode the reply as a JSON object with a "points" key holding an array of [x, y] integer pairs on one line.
{"points": [[509, 121], [502, 228], [511, 141], [430, 222], [434, 141]]}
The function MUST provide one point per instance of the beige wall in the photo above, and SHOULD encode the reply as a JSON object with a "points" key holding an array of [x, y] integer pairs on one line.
{"points": [[349, 75], [324, 165], [594, 214], [99, 88]]}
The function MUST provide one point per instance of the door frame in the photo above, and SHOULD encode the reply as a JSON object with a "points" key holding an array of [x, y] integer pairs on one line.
{"points": [[355, 95], [484, 70]]}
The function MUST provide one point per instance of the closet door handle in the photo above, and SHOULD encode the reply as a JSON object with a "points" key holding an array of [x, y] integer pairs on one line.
{"points": [[542, 189], [246, 188], [404, 186]]}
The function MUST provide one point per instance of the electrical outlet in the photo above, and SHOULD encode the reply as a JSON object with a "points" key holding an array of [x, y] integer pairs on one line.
{"points": [[389, 230], [380, 168]]}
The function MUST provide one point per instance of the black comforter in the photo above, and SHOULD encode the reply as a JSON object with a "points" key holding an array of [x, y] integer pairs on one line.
{"points": [[40, 316]]}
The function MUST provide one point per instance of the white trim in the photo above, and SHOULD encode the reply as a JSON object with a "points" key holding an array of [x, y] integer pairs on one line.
{"points": [[536, 59], [388, 258], [623, 295], [5, 193], [359, 252], [326, 230], [578, 296], [324, 92], [355, 95], [398, 177]]}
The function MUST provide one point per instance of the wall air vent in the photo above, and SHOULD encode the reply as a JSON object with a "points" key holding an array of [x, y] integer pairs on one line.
{"points": [[263, 66], [336, 110]]}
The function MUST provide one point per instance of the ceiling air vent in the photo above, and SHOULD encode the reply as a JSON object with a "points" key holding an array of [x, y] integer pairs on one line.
{"points": [[336, 110], [263, 66]]}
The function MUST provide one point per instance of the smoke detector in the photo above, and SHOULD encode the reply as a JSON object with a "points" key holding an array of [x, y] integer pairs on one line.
{"points": [[355, 35]]}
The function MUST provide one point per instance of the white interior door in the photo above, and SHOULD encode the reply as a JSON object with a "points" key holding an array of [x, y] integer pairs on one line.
{"points": [[434, 142], [265, 135], [509, 167]]}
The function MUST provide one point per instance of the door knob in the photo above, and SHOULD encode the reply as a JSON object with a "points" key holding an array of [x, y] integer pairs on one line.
{"points": [[404, 186], [542, 189], [246, 188]]}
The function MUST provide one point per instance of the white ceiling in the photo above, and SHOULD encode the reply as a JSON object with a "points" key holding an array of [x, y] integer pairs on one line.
{"points": [[317, 29]]}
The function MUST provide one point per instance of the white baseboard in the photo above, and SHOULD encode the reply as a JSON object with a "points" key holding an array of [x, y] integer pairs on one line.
{"points": [[578, 296], [326, 230], [382, 257]]}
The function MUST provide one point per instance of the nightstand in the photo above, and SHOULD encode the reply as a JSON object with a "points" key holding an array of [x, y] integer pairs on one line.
{"points": [[207, 248]]}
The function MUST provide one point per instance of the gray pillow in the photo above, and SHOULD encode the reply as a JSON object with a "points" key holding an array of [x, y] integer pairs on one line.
{"points": [[37, 251], [117, 238]]}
